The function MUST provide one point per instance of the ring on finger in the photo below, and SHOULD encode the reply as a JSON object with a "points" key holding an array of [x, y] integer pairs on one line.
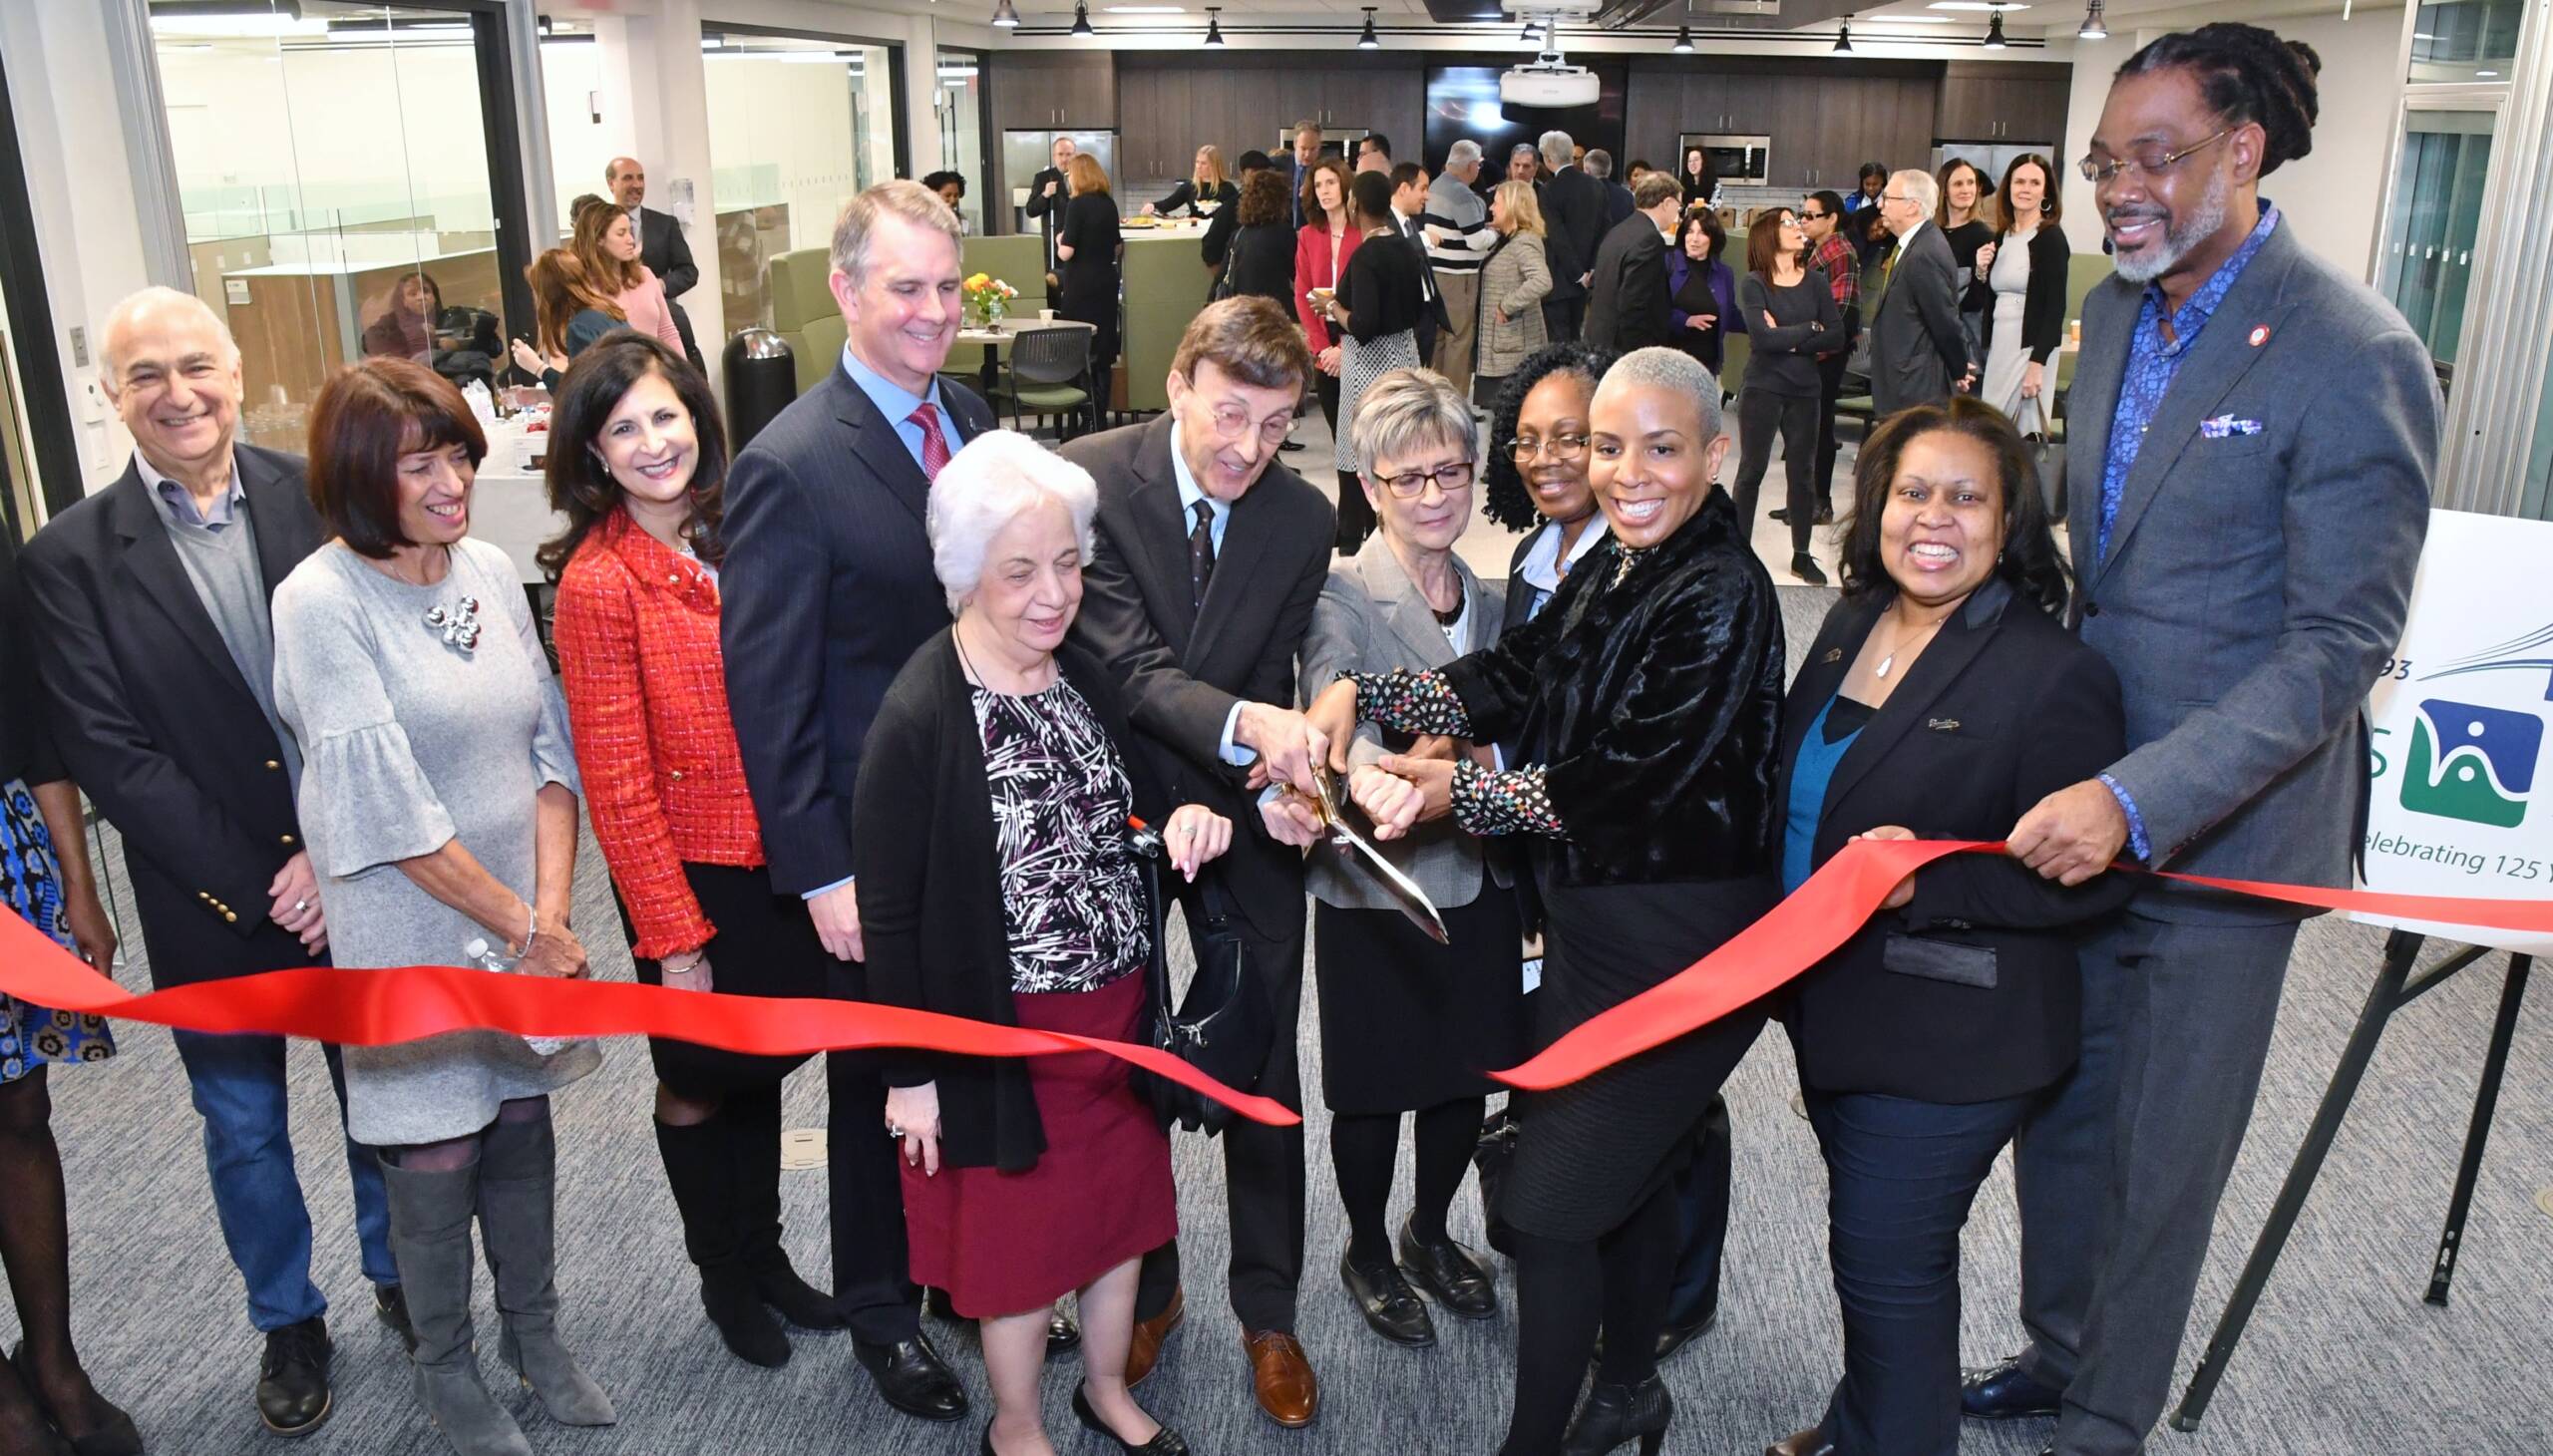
{"points": [[300, 905], [894, 1132]]}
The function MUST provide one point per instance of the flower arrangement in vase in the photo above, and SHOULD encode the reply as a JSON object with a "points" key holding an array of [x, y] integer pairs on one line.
{"points": [[987, 300]]}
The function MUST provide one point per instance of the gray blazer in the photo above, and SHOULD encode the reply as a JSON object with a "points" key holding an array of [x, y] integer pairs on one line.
{"points": [[1516, 280], [2254, 581], [1372, 618], [1916, 347]]}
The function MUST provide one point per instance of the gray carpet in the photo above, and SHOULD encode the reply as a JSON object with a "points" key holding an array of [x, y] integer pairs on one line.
{"points": [[2343, 1359]]}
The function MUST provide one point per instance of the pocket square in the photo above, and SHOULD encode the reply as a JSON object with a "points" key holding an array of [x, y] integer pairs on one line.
{"points": [[2224, 427]]}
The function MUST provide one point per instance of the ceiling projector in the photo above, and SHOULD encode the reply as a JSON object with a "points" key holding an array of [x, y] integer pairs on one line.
{"points": [[1548, 81]]}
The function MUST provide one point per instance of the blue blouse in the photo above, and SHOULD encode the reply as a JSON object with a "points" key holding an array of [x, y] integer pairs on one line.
{"points": [[1822, 747]]}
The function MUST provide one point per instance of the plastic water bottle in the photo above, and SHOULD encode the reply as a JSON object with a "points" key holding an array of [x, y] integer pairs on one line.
{"points": [[489, 957]]}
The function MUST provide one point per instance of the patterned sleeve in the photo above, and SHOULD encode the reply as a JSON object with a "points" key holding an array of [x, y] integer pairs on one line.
{"points": [[1412, 702], [1504, 800]]}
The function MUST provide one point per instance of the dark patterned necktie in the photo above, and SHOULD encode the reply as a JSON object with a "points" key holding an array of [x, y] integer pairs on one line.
{"points": [[935, 445], [1200, 552]]}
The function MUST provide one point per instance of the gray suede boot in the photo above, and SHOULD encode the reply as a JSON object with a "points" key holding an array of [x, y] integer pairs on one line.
{"points": [[430, 1236], [517, 1222]]}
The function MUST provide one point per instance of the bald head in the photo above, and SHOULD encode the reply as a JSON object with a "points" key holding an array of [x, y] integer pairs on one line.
{"points": [[172, 374], [627, 182]]}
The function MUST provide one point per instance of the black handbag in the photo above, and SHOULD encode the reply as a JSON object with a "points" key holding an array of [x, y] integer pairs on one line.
{"points": [[1224, 1028], [1495, 1152]]}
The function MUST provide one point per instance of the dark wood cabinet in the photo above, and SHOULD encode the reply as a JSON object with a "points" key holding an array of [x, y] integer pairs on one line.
{"points": [[1171, 104], [1035, 91], [2002, 101]]}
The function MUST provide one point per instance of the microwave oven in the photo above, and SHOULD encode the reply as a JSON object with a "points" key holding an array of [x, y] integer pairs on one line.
{"points": [[1746, 161]]}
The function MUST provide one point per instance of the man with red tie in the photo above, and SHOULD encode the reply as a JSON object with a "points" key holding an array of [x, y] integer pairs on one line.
{"points": [[828, 590]]}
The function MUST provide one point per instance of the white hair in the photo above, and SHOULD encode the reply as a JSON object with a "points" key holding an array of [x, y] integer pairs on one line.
{"points": [[983, 488], [121, 318], [1920, 187], [1672, 370], [1405, 412], [1557, 150], [1462, 154], [1599, 163]]}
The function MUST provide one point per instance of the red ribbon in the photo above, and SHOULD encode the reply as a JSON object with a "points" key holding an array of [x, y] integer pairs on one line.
{"points": [[377, 1008]]}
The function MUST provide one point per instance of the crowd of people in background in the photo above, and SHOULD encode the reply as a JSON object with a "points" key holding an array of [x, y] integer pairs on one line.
{"points": [[862, 709]]}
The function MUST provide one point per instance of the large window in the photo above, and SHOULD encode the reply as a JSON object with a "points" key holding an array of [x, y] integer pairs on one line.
{"points": [[2466, 40], [798, 126], [2436, 208], [334, 168], [958, 105]]}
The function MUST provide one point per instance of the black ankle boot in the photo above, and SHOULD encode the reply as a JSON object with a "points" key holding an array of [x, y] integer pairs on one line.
{"points": [[1617, 1414], [697, 1164], [751, 1123]]}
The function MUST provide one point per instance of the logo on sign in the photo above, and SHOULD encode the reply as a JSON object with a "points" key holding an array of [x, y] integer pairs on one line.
{"points": [[2472, 762]]}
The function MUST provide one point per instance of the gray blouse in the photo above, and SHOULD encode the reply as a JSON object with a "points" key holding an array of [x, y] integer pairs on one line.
{"points": [[409, 740]]}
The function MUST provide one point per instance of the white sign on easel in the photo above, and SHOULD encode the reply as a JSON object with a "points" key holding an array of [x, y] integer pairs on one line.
{"points": [[2462, 796]]}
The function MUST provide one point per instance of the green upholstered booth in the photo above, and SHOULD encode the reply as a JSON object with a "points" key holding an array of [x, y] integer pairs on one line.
{"points": [[1165, 287], [802, 311]]}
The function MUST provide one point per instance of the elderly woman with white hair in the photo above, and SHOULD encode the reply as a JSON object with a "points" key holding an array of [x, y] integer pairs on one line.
{"points": [[1645, 701], [1408, 1025], [997, 881]]}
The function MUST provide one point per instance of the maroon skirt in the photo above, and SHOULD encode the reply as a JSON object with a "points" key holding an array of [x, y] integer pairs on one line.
{"points": [[1007, 1243]]}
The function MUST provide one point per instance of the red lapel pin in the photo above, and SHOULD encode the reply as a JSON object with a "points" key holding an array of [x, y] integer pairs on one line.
{"points": [[2260, 334]]}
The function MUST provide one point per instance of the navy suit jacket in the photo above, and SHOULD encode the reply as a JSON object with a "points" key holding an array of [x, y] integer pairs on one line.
{"points": [[828, 592]]}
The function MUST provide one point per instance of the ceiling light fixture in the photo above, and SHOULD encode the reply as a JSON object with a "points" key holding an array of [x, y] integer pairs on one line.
{"points": [[1081, 19], [1995, 32], [1530, 33], [1684, 40], [1366, 40], [1844, 39], [2093, 29], [1005, 16], [1994, 5], [1213, 28]]}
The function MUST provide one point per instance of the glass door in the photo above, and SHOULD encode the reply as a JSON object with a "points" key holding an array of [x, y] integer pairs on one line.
{"points": [[339, 178], [959, 104], [2428, 260]]}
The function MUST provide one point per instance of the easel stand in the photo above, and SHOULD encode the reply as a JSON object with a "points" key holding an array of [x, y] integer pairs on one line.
{"points": [[2395, 987]]}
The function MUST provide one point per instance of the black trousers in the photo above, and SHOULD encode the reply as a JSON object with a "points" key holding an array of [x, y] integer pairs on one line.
{"points": [[1701, 1212], [1830, 388], [871, 1273], [1564, 317], [1760, 415], [1263, 1176]]}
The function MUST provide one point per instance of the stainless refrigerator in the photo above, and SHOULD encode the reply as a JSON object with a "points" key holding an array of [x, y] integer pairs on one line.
{"points": [[1025, 153]]}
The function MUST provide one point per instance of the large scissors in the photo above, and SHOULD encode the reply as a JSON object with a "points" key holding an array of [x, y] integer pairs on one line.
{"points": [[1410, 899]]}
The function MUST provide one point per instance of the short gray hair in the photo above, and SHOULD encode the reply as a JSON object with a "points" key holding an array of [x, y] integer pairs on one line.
{"points": [[982, 489], [1462, 154], [1599, 163], [150, 300], [904, 198], [1557, 150], [1920, 187], [1524, 149], [1672, 370], [1406, 411]]}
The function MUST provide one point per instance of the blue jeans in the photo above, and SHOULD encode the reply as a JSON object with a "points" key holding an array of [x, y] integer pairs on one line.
{"points": [[1901, 1176], [239, 1090]]}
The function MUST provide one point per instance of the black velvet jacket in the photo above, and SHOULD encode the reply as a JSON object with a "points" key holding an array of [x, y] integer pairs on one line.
{"points": [[1654, 707]]}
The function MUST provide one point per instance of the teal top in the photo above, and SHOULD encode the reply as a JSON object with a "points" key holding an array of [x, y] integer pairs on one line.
{"points": [[1822, 747]]}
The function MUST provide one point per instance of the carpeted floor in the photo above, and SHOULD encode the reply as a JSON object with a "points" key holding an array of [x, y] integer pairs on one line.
{"points": [[2343, 1358]]}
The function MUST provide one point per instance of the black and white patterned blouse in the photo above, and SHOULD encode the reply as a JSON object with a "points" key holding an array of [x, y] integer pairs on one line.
{"points": [[1072, 904]]}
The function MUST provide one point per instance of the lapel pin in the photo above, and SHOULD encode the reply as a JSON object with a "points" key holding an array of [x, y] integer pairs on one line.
{"points": [[1833, 654], [2260, 334], [1943, 725]]}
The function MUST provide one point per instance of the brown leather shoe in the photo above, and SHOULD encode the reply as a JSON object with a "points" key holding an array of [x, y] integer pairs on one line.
{"points": [[1144, 1351], [1283, 1377], [1801, 1443]]}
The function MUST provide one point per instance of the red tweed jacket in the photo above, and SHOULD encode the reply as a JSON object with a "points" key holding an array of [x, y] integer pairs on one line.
{"points": [[638, 636]]}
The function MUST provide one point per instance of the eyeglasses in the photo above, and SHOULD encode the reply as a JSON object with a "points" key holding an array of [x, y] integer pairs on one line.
{"points": [[2146, 163], [1561, 447], [1232, 422], [1893, 196], [1445, 478], [1812, 216]]}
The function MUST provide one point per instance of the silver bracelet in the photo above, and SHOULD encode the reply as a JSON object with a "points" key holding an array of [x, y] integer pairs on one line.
{"points": [[530, 929]]}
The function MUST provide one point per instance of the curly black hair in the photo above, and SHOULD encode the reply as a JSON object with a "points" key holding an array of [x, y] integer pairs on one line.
{"points": [[1503, 497], [2029, 561], [2246, 74]]}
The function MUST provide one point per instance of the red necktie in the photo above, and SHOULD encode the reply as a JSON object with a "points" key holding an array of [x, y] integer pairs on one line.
{"points": [[935, 445]]}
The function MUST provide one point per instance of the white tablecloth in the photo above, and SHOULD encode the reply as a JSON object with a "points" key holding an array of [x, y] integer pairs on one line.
{"points": [[510, 503]]}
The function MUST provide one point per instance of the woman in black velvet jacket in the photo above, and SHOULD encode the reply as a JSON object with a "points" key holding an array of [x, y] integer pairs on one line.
{"points": [[1646, 700]]}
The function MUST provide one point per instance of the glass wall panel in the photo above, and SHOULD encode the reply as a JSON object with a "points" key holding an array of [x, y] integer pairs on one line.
{"points": [[333, 171], [2466, 40], [2537, 501], [796, 127], [2436, 209], [959, 103]]}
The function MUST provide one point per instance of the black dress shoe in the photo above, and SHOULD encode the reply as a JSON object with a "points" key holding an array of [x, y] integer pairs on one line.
{"points": [[292, 1380], [110, 1432], [1388, 1302], [912, 1379], [1675, 1336], [1449, 1273], [1805, 567], [390, 1307], [1063, 1332], [1291, 446], [1825, 515], [1164, 1442], [1780, 514], [2004, 1391], [1616, 1414]]}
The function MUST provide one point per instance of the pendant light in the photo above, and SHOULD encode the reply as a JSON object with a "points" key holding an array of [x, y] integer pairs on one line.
{"points": [[2093, 29], [1530, 33], [1684, 40], [1844, 39], [1366, 40], [1006, 16], [1213, 28], [1995, 32], [1081, 19]]}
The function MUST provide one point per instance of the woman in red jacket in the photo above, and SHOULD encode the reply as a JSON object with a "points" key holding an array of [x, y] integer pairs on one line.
{"points": [[1321, 250], [636, 461]]}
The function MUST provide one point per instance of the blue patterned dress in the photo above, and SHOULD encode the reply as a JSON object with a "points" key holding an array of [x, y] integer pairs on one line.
{"points": [[31, 887]]}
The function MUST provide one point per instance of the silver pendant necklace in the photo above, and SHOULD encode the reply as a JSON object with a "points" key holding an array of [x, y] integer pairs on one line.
{"points": [[1890, 660]]}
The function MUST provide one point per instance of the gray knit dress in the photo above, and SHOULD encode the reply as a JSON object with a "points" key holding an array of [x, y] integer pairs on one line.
{"points": [[409, 741]]}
